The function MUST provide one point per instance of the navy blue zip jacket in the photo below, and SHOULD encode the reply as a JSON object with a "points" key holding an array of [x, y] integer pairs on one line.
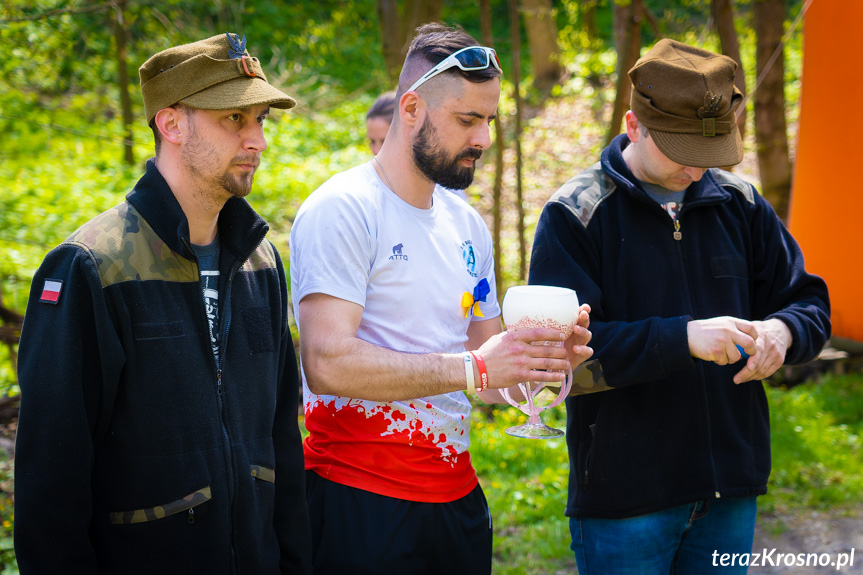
{"points": [[136, 451], [675, 429]]}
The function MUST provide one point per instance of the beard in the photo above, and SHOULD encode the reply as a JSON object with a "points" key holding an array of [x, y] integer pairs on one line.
{"points": [[237, 186], [201, 158], [432, 160]]}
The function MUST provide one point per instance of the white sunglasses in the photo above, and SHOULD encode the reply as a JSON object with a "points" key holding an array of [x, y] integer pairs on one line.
{"points": [[467, 59]]}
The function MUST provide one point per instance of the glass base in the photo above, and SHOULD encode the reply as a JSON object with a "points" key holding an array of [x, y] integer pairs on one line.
{"points": [[534, 431]]}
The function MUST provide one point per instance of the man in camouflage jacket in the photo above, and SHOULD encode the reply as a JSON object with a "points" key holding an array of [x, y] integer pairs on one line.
{"points": [[149, 440]]}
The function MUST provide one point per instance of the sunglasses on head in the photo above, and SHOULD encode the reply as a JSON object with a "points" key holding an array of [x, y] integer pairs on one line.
{"points": [[467, 59]]}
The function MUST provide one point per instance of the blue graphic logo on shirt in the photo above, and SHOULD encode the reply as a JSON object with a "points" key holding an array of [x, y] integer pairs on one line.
{"points": [[469, 257], [398, 253]]}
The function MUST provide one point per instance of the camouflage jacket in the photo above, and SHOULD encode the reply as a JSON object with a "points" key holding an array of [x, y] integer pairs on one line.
{"points": [[137, 453], [674, 430]]}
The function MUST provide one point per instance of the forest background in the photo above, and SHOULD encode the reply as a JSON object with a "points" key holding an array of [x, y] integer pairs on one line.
{"points": [[74, 141]]}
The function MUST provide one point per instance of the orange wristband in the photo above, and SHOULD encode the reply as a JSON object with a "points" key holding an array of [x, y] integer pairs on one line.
{"points": [[483, 374]]}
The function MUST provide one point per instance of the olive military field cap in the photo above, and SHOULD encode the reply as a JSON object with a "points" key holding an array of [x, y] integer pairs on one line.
{"points": [[212, 74], [686, 98]]}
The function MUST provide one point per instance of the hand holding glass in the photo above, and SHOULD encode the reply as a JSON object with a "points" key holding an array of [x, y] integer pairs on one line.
{"points": [[526, 307]]}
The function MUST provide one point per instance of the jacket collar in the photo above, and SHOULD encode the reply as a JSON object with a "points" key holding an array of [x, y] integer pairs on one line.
{"points": [[241, 229], [706, 190]]}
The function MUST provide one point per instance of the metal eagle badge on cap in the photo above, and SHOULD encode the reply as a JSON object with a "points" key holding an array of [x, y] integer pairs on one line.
{"points": [[708, 113], [238, 47], [238, 52]]}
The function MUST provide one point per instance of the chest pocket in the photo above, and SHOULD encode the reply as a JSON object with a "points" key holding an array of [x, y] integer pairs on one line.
{"points": [[729, 267], [258, 326]]}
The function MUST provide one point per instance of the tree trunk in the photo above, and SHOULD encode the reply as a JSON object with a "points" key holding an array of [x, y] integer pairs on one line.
{"points": [[627, 55], [651, 20], [588, 19], [515, 39], [10, 332], [392, 38], [423, 12], [118, 23], [398, 28], [723, 19], [769, 104], [497, 220], [619, 25], [542, 39]]}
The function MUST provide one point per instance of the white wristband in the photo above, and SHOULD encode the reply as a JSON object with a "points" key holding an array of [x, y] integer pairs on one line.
{"points": [[468, 372]]}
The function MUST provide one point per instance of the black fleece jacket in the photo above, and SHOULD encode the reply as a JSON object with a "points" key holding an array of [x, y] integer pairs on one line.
{"points": [[674, 429], [137, 452]]}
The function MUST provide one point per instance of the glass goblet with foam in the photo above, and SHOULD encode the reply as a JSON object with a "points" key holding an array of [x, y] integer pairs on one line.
{"points": [[526, 307]]}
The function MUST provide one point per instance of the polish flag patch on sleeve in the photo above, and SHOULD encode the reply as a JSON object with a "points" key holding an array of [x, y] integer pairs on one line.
{"points": [[51, 291]]}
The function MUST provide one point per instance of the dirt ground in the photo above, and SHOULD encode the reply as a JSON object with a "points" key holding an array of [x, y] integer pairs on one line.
{"points": [[831, 533]]}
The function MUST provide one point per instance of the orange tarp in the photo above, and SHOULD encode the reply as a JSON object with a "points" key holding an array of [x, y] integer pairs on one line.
{"points": [[826, 211]]}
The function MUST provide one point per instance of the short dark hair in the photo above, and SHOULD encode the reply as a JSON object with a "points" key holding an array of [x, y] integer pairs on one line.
{"points": [[435, 41], [384, 107]]}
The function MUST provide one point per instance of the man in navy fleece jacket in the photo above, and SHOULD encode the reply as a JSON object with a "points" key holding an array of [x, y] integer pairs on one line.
{"points": [[698, 292]]}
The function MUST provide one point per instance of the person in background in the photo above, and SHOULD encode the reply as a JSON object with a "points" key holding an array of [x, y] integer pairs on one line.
{"points": [[378, 120], [698, 292], [393, 280], [158, 426]]}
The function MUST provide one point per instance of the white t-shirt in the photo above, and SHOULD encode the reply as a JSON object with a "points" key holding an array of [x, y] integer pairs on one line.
{"points": [[356, 240], [460, 193]]}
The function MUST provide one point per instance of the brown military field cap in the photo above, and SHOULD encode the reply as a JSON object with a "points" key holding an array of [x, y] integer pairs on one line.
{"points": [[686, 98], [212, 74]]}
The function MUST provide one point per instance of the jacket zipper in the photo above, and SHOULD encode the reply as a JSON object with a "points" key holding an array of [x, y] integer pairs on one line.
{"points": [[223, 345], [224, 324], [678, 237]]}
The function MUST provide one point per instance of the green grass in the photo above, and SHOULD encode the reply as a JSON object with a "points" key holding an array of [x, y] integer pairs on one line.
{"points": [[7, 515], [817, 439], [525, 483]]}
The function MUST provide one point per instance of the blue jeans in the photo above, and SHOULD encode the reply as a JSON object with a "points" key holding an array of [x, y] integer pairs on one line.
{"points": [[689, 539]]}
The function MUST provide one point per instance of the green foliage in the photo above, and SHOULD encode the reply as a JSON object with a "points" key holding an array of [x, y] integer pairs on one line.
{"points": [[319, 45], [43, 202], [304, 150]]}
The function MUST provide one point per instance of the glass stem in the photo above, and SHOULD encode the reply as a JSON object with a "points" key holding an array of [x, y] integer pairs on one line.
{"points": [[532, 411]]}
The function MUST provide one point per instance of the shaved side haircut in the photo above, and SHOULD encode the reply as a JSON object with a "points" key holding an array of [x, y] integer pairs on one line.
{"points": [[431, 45]]}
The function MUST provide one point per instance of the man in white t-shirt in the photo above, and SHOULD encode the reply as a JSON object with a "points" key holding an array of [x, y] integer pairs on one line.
{"points": [[392, 281]]}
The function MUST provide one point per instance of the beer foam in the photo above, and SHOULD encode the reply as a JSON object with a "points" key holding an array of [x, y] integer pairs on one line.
{"points": [[526, 307]]}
